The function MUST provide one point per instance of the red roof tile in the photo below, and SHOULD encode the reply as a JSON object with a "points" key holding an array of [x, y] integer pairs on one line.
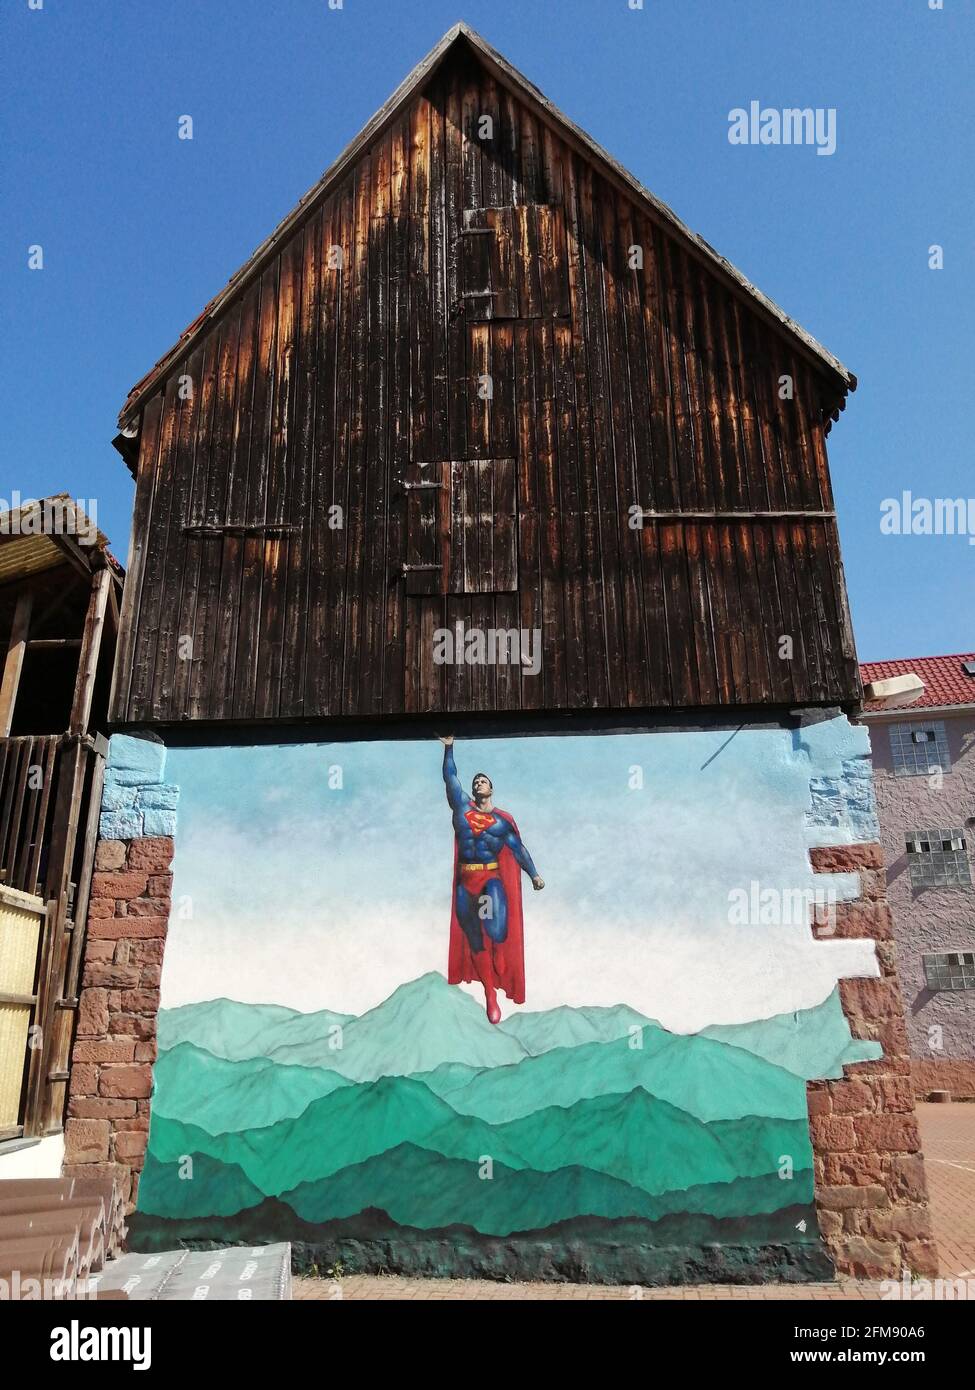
{"points": [[944, 677]]}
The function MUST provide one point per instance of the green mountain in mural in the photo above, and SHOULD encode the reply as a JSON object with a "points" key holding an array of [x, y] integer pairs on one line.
{"points": [[809, 1042], [422, 1025], [218, 1095], [708, 1079], [417, 1188], [420, 1116], [427, 1025], [651, 1144], [565, 1027], [637, 1138], [588, 1140], [226, 1028], [209, 1188], [421, 1190], [353, 1124]]}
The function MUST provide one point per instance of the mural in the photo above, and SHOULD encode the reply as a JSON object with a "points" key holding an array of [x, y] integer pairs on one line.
{"points": [[606, 1081]]}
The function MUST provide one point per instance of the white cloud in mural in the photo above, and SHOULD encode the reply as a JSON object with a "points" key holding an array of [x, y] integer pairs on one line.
{"points": [[317, 897]]}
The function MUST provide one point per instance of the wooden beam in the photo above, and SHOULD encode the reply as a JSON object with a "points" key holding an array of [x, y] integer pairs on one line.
{"points": [[113, 608], [72, 979], [90, 647], [75, 554], [13, 665]]}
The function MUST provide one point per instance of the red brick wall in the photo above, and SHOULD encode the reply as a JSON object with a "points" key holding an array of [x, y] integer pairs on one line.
{"points": [[871, 1194], [115, 1044]]}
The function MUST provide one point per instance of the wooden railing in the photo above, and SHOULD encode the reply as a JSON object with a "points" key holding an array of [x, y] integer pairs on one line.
{"points": [[50, 794], [29, 768]]}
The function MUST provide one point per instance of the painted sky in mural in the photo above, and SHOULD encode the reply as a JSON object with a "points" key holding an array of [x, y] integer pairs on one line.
{"points": [[315, 896]]}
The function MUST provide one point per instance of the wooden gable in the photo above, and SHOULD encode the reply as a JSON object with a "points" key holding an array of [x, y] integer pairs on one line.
{"points": [[453, 391]]}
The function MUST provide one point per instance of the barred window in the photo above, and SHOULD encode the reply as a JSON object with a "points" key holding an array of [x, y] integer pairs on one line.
{"points": [[954, 971], [919, 748], [938, 858]]}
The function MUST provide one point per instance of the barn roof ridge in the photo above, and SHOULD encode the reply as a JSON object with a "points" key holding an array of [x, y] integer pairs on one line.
{"points": [[511, 77]]}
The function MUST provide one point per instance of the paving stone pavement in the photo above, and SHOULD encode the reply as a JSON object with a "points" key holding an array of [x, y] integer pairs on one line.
{"points": [[948, 1138]]}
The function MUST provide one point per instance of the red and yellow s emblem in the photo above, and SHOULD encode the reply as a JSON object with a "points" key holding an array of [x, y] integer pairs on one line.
{"points": [[479, 820]]}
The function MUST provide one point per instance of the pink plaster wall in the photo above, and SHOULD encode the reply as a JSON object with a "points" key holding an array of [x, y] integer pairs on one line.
{"points": [[933, 919]]}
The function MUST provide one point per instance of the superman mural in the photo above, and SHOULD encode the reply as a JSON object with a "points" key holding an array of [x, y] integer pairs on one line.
{"points": [[486, 922], [335, 1071]]}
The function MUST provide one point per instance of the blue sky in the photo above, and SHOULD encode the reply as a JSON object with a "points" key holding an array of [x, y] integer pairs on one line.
{"points": [[315, 896], [139, 228]]}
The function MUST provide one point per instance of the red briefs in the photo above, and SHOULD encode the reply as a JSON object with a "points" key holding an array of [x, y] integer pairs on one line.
{"points": [[474, 880]]}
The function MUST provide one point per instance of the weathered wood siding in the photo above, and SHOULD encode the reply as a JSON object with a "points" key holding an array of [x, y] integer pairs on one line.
{"points": [[331, 378]]}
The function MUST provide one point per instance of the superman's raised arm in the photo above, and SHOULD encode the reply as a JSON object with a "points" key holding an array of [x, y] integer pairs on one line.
{"points": [[455, 792]]}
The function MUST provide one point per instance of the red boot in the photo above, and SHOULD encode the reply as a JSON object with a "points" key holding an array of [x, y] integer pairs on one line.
{"points": [[484, 967]]}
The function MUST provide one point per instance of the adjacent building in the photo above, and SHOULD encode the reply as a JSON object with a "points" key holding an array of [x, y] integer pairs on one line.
{"points": [[60, 592], [924, 767]]}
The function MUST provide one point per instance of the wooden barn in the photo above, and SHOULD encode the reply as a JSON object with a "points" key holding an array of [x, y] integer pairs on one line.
{"points": [[484, 444]]}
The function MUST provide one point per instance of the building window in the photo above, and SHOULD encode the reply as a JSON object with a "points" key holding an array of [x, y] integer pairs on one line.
{"points": [[917, 749], [951, 971], [938, 858]]}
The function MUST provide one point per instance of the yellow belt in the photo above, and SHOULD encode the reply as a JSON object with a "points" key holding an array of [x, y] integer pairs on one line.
{"points": [[473, 868]]}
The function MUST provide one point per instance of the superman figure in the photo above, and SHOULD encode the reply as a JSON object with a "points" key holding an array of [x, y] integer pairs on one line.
{"points": [[486, 929]]}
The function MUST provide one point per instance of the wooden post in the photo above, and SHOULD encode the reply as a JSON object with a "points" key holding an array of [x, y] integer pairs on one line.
{"points": [[90, 647], [73, 759], [14, 663]]}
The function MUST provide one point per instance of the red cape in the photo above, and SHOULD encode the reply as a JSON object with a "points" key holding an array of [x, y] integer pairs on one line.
{"points": [[460, 969]]}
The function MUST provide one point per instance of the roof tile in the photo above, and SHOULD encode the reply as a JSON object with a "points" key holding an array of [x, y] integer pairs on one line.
{"points": [[945, 679]]}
